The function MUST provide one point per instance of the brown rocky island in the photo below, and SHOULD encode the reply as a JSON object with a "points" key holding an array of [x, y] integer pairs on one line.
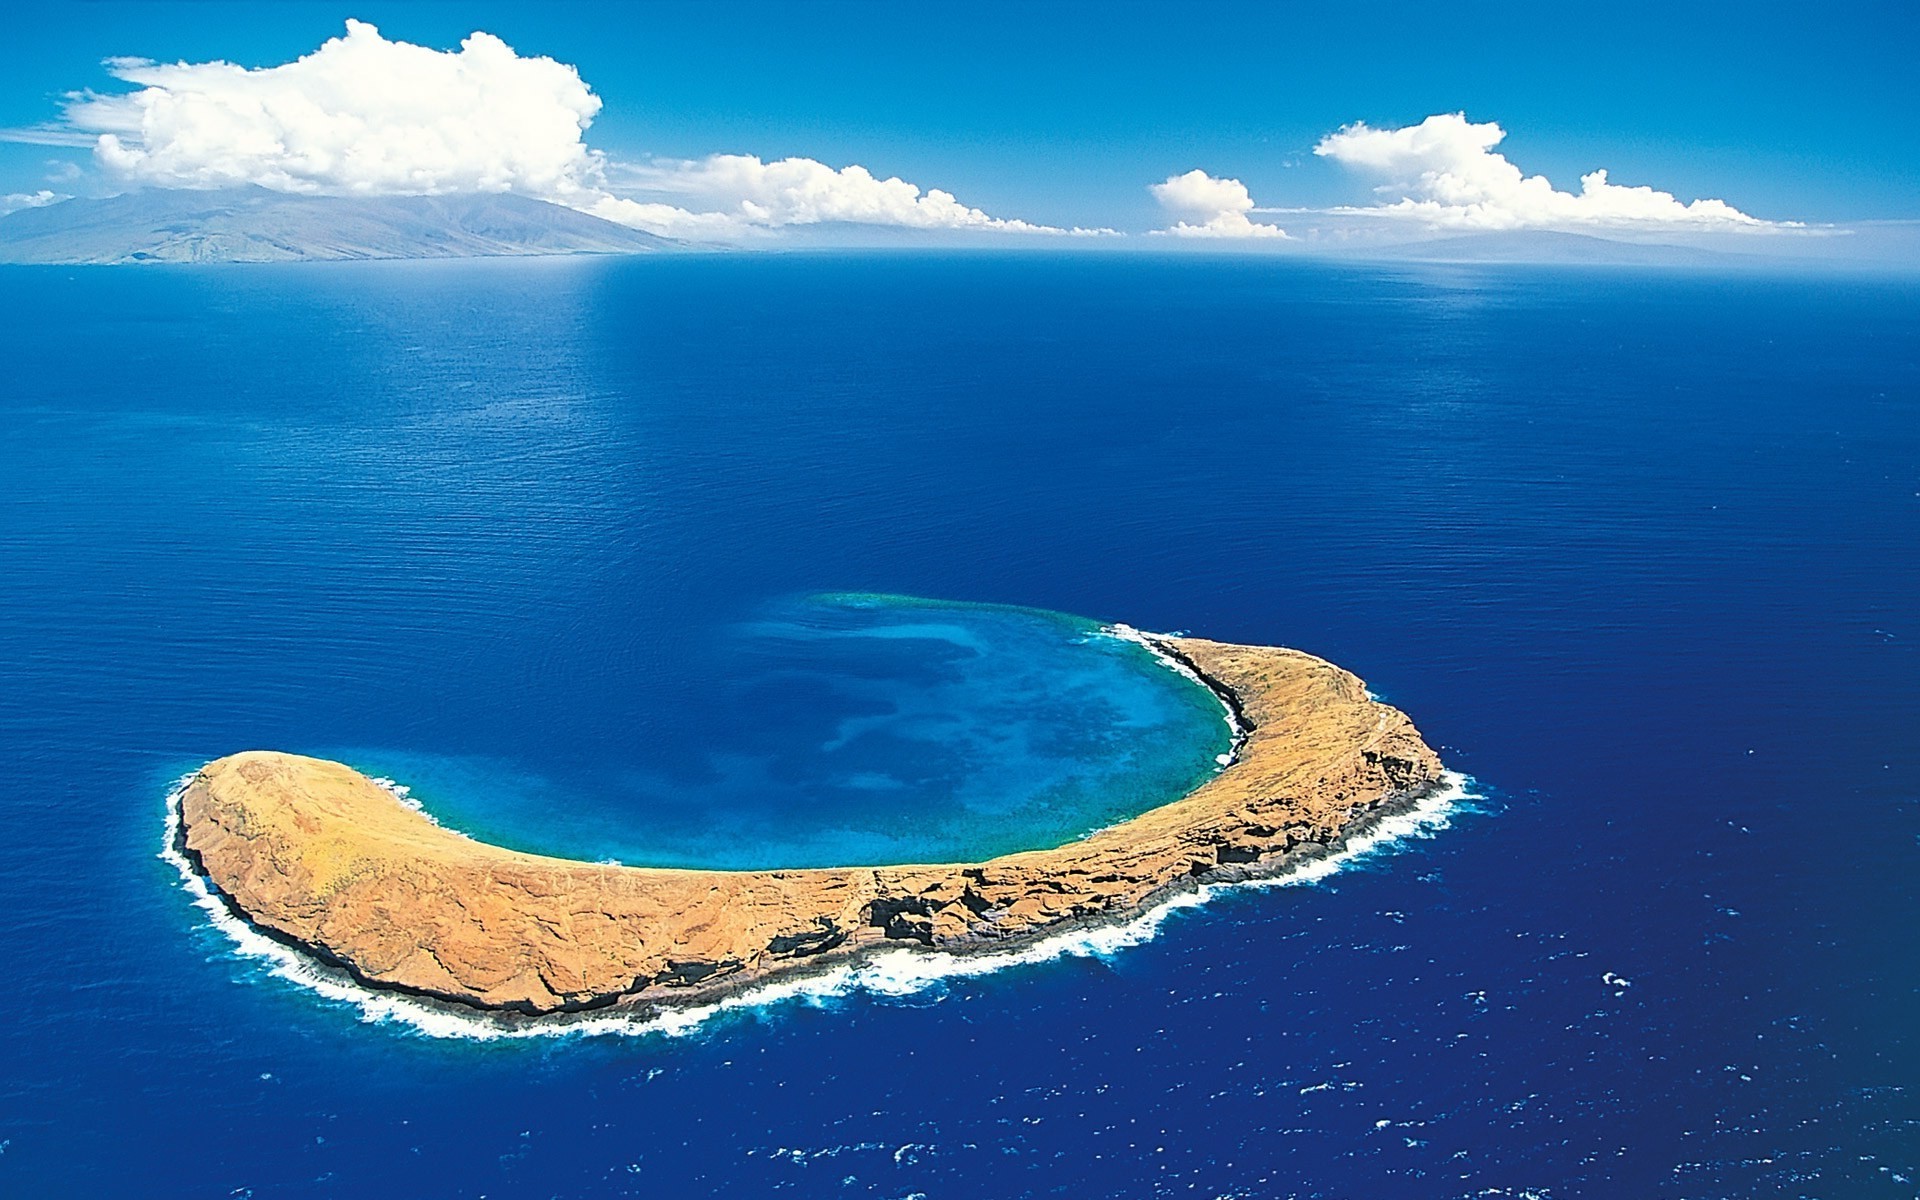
{"points": [[317, 856]]}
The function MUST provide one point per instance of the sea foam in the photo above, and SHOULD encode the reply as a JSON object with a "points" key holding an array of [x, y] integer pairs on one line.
{"points": [[888, 973], [1235, 728]]}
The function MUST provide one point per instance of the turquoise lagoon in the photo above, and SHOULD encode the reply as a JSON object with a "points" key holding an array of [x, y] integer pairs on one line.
{"points": [[863, 730]]}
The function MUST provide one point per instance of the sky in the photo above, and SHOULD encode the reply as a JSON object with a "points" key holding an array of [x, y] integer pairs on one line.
{"points": [[1228, 124]]}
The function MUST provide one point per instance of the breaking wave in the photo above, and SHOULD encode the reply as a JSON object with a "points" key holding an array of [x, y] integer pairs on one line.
{"points": [[891, 973]]}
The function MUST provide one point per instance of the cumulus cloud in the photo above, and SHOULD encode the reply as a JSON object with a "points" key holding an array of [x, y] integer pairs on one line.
{"points": [[1207, 207], [1445, 172], [16, 201], [363, 115], [726, 190], [359, 116]]}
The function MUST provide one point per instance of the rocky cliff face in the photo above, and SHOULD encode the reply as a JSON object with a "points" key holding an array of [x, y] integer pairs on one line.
{"points": [[317, 855]]}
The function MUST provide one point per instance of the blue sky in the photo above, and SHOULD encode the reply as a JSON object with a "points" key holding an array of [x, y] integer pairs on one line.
{"points": [[1064, 114]]}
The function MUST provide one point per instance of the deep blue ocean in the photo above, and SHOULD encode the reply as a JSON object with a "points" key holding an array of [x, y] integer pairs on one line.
{"points": [[605, 557]]}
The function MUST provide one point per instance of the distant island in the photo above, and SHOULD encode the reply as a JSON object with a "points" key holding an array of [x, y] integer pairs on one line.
{"points": [[321, 858], [256, 225], [1547, 247]]}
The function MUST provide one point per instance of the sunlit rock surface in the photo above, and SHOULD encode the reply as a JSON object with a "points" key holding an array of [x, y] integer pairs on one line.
{"points": [[318, 855]]}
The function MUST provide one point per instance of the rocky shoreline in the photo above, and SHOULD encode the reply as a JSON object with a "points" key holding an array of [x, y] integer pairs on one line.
{"points": [[322, 860]]}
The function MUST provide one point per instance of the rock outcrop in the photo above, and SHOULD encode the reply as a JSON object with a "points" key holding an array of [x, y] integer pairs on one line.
{"points": [[319, 856]]}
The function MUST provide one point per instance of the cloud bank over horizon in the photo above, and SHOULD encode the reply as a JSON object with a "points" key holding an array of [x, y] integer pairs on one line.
{"points": [[363, 115], [1444, 175], [366, 116], [1444, 172], [1208, 207], [742, 190]]}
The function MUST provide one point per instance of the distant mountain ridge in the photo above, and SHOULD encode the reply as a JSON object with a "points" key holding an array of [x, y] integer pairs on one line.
{"points": [[257, 225], [1550, 247]]}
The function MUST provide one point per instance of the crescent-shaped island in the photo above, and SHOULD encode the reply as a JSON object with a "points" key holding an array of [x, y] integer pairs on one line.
{"points": [[321, 858]]}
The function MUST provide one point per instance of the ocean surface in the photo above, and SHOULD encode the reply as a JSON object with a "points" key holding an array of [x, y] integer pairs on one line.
{"points": [[748, 560]]}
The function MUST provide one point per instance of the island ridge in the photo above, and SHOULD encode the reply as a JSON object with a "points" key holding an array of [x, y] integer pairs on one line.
{"points": [[320, 857]]}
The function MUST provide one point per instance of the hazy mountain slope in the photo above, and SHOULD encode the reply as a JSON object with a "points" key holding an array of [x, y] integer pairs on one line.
{"points": [[1548, 246], [256, 225]]}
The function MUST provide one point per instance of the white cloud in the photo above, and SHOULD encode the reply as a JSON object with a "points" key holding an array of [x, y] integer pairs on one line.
{"points": [[359, 116], [366, 116], [1206, 207], [1444, 171], [48, 135], [19, 200], [738, 190]]}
